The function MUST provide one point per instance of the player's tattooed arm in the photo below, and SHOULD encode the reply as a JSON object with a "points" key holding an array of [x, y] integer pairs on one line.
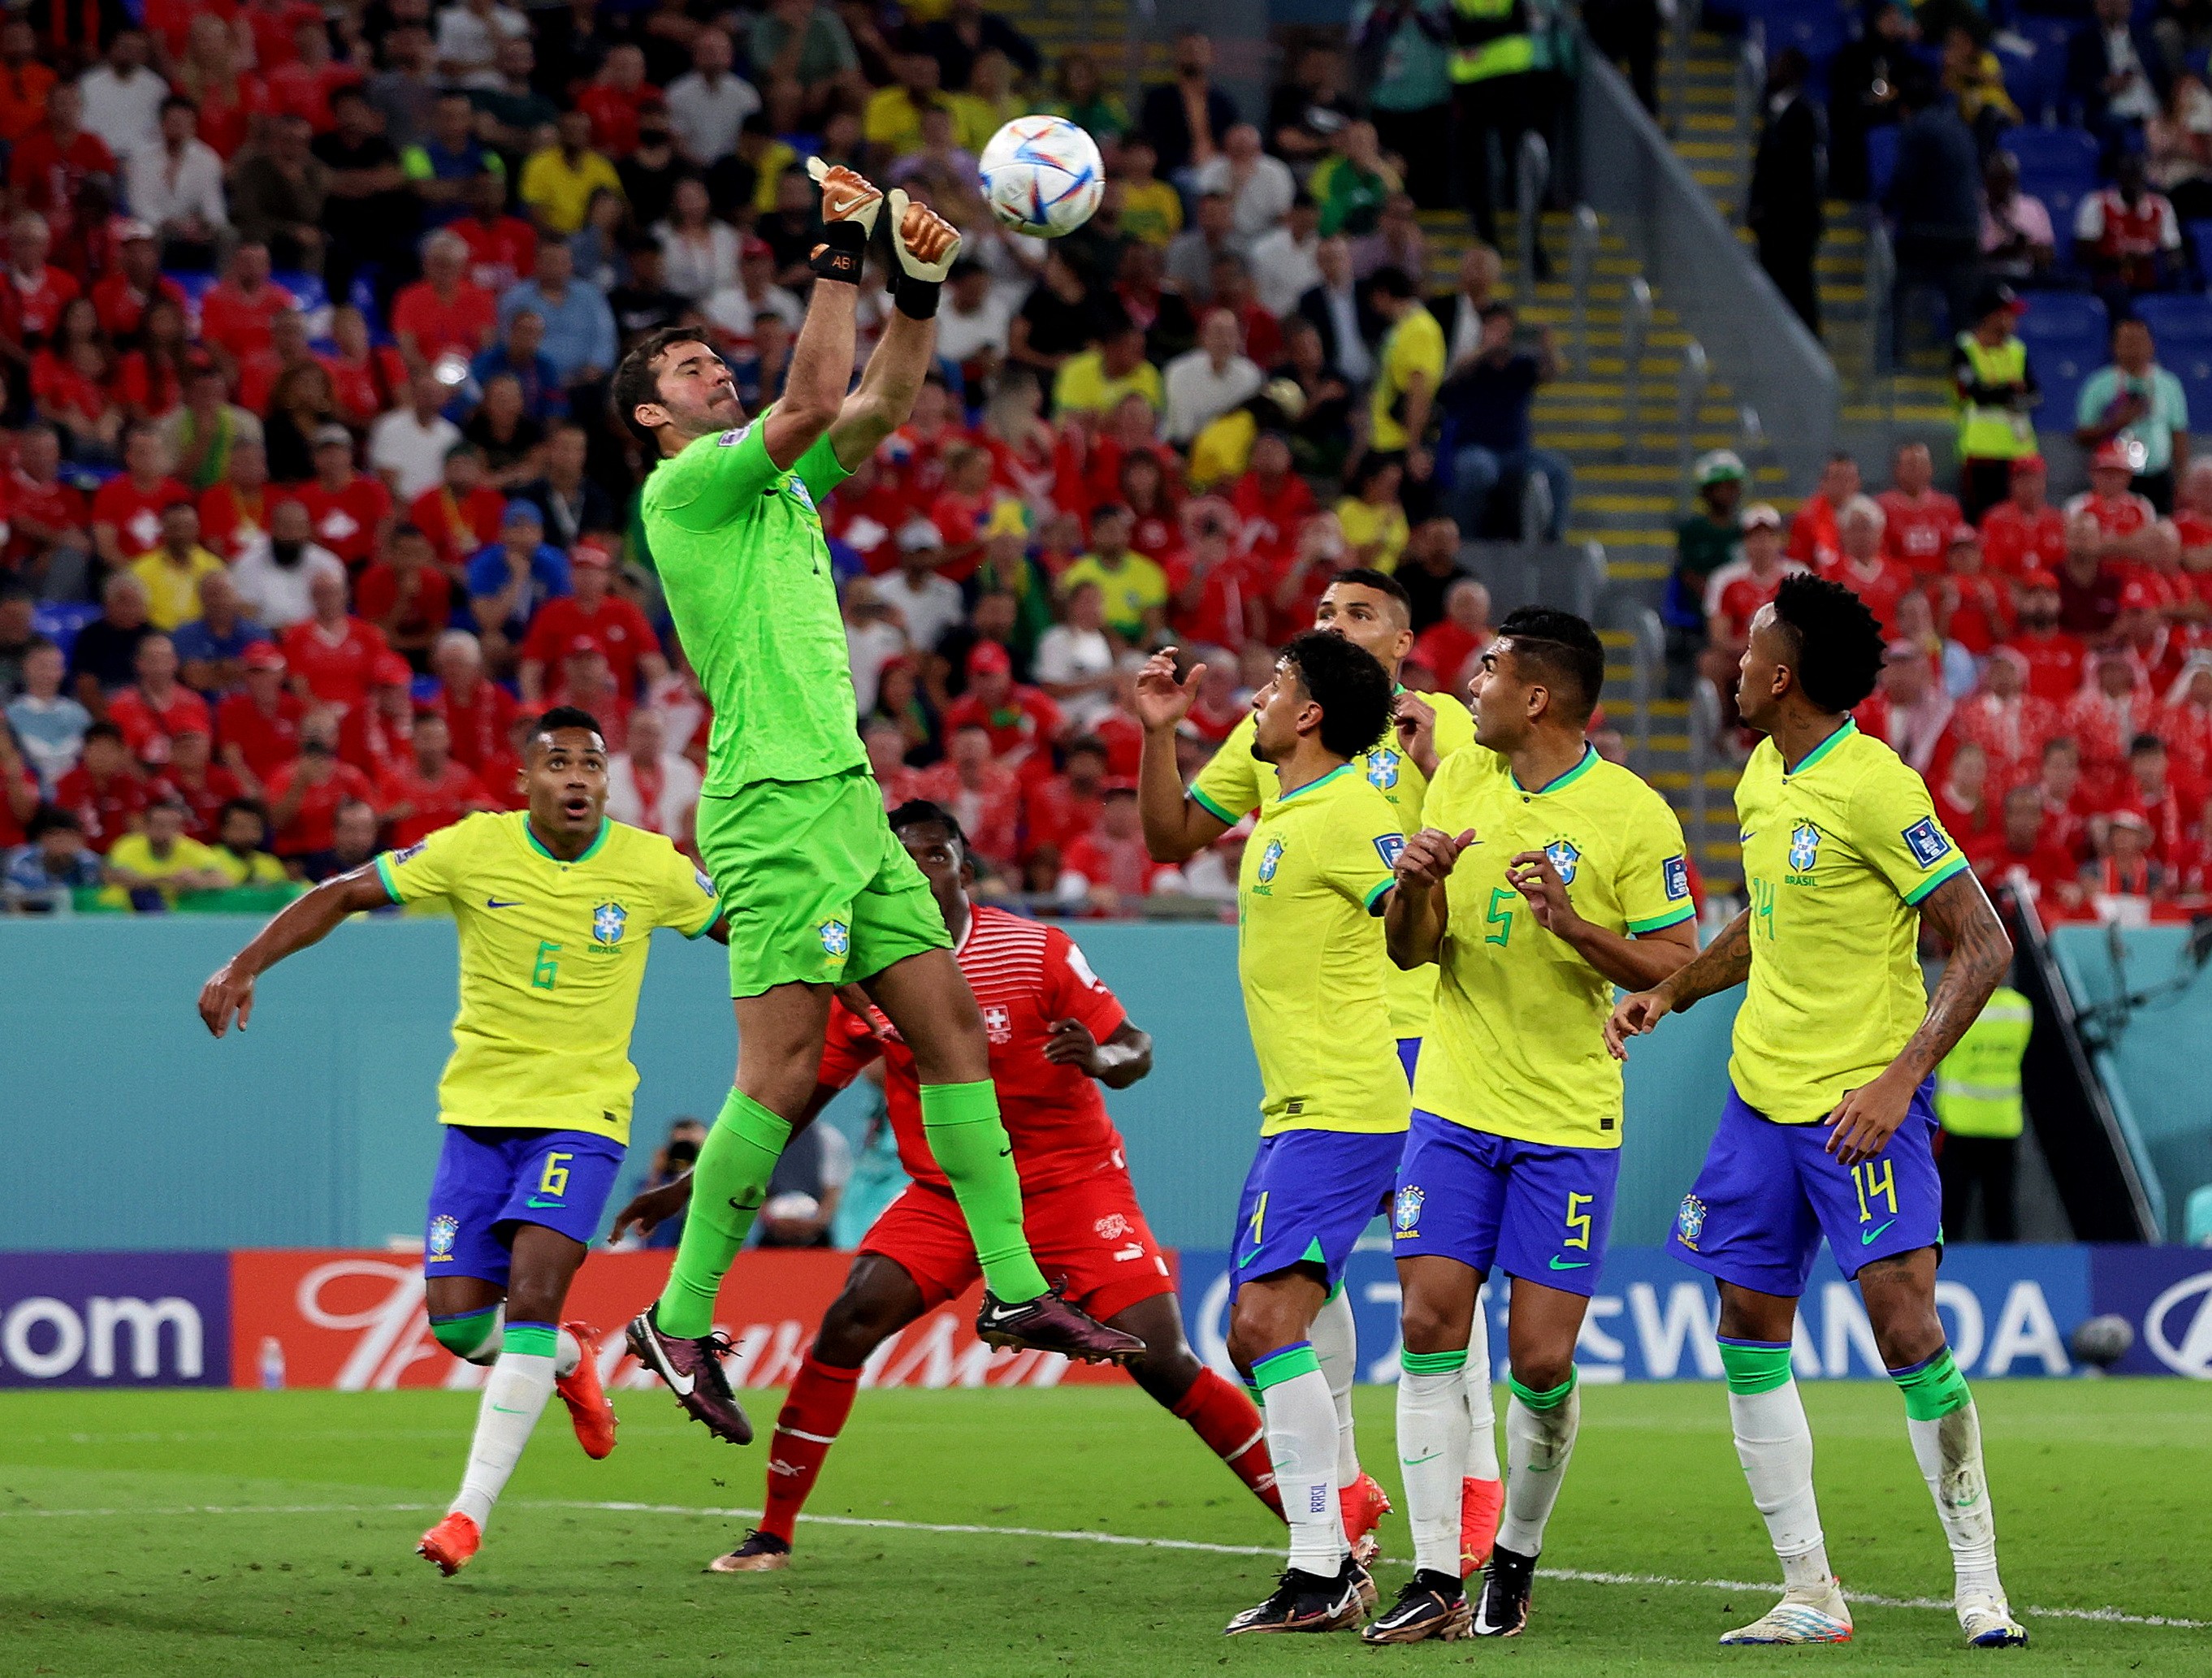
{"points": [[1117, 1063], [1725, 962], [1419, 914], [304, 920]]}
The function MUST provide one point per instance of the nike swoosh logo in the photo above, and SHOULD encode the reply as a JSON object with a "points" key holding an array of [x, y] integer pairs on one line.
{"points": [[494, 903], [1006, 1153], [681, 1385], [1866, 1239], [1558, 1263], [535, 1201], [1416, 1462], [504, 1411]]}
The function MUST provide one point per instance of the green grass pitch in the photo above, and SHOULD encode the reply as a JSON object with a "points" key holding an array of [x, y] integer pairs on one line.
{"points": [[172, 1533]]}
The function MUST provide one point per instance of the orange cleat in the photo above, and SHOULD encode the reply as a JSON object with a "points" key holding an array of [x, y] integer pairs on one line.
{"points": [[1364, 1503], [1480, 1503], [587, 1399], [451, 1543]]}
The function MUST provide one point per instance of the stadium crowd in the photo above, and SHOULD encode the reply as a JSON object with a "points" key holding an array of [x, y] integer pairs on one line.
{"points": [[312, 491]]}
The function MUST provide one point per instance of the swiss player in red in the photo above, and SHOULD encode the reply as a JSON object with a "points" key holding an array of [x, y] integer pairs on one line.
{"points": [[1054, 1029]]}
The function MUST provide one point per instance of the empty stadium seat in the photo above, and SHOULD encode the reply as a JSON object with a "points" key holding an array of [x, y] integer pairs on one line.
{"points": [[2056, 155], [1882, 159], [2067, 334], [58, 621], [2182, 325]]}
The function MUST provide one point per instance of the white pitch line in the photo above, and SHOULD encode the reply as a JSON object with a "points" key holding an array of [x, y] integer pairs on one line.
{"points": [[1664, 1581]]}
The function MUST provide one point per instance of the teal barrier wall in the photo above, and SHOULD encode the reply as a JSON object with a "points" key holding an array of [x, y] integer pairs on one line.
{"points": [[126, 1127]]}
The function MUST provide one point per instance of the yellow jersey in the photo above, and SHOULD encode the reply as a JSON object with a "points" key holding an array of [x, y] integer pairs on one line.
{"points": [[1316, 876], [1152, 211], [1084, 385], [1836, 858], [1126, 591], [1236, 783], [561, 193], [172, 592], [1516, 1046], [552, 954], [134, 852], [1415, 343]]}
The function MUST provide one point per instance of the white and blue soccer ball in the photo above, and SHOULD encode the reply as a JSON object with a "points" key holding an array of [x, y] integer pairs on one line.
{"points": [[1042, 176]]}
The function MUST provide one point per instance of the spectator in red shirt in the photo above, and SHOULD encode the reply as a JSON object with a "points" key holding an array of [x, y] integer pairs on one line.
{"points": [[1909, 710], [1864, 568], [202, 787], [2055, 657], [463, 514], [427, 789], [406, 596], [303, 86], [584, 680], [51, 163], [1059, 810], [2008, 723], [49, 522], [1735, 593], [157, 707], [33, 293], [502, 248], [1919, 519], [351, 511], [1447, 644], [1020, 722], [613, 99], [104, 791], [1108, 871], [1972, 608], [24, 82], [2068, 807], [444, 313], [121, 299], [236, 314], [2104, 719], [275, 26], [126, 511], [2024, 532], [982, 794], [1813, 538], [1272, 502], [1964, 803], [963, 508], [2109, 528], [478, 711], [2192, 523], [305, 795], [333, 656], [258, 727], [2171, 807], [2023, 843], [615, 624], [235, 513], [262, 370], [2184, 721]]}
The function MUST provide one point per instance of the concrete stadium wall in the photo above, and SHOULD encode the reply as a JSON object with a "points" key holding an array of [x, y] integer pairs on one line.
{"points": [[127, 1128]]}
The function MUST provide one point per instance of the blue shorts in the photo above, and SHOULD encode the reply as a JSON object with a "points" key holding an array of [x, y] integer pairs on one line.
{"points": [[1768, 1192], [490, 1180], [1533, 1210], [1409, 1052], [1309, 1197]]}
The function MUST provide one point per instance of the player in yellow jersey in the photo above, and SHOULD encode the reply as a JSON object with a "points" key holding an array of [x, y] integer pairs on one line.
{"points": [[1316, 879], [1370, 609], [1829, 1125], [1542, 877], [554, 906]]}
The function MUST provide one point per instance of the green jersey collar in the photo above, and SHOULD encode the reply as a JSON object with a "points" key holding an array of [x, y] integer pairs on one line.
{"points": [[1562, 782], [589, 850], [1821, 750], [1341, 769]]}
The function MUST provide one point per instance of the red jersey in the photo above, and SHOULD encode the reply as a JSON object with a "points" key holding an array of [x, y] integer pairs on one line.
{"points": [[107, 809], [62, 390], [205, 798], [170, 21], [232, 518], [1028, 719], [1122, 866], [370, 387], [378, 592], [618, 626], [1882, 586], [1919, 527], [337, 669], [147, 388], [29, 313], [147, 728], [432, 804], [1733, 595], [2051, 872], [266, 742], [57, 504], [274, 28], [1123, 736], [135, 513], [2123, 515], [1054, 813], [479, 727], [294, 90], [345, 519], [613, 112], [1026, 976], [459, 525], [311, 827], [121, 305], [1272, 520], [462, 323], [500, 252], [960, 519], [238, 324], [1812, 538], [2103, 727], [46, 174], [1445, 647], [2055, 659], [2187, 731], [2011, 734], [2014, 543], [1976, 611], [1232, 602]]}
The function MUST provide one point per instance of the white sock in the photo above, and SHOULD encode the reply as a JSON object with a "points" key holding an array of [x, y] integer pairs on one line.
{"points": [[1481, 1402], [514, 1398], [1433, 1427], [1538, 1443], [571, 1351], [1334, 1338], [1302, 1435], [1774, 1442], [1950, 1453]]}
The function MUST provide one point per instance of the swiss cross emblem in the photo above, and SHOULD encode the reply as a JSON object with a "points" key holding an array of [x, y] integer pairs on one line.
{"points": [[337, 524], [998, 1024]]}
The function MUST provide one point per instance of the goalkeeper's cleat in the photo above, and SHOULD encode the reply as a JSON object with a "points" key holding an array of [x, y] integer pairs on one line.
{"points": [[693, 1371], [451, 1543], [586, 1395], [1503, 1609], [1480, 1503], [1049, 1324], [761, 1553], [1986, 1619], [1364, 1503], [1305, 1601], [1802, 1616], [1431, 1608]]}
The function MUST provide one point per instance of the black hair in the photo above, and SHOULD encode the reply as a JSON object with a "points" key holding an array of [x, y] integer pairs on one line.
{"points": [[232, 806], [1837, 646], [104, 731], [1391, 282], [179, 102], [1366, 576], [924, 812], [1563, 649], [2145, 743], [1372, 465], [1350, 685], [51, 818], [567, 717], [636, 381]]}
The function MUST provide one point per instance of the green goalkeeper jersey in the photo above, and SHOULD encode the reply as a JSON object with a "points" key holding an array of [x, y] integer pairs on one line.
{"points": [[739, 549]]}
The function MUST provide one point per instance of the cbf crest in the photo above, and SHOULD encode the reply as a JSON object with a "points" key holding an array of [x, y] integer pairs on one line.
{"points": [[1690, 1221], [1406, 1213], [1383, 768], [608, 921], [836, 938], [443, 1229], [1565, 858], [1804, 847], [1270, 859]]}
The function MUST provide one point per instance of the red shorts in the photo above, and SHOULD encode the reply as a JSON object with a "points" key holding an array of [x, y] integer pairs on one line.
{"points": [[1090, 1234]]}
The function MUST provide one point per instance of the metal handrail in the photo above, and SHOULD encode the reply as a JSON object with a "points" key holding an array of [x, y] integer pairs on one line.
{"points": [[1592, 574], [1704, 750], [1537, 507], [1635, 331], [1689, 399], [1532, 177], [1881, 291], [1750, 93], [1647, 663], [1681, 22], [1582, 264]]}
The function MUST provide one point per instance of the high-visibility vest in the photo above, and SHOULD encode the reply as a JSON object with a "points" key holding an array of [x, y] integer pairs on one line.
{"points": [[1978, 1085], [1987, 433], [1490, 37]]}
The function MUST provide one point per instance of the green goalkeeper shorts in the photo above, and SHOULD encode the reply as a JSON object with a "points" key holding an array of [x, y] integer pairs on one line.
{"points": [[818, 889]]}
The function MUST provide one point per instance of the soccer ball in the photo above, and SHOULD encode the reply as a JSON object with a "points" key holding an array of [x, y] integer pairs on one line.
{"points": [[1042, 176]]}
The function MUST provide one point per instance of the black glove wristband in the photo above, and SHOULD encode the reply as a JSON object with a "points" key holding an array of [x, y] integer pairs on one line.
{"points": [[838, 257], [916, 299]]}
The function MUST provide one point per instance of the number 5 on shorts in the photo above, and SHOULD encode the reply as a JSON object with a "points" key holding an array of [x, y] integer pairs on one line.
{"points": [[1578, 1221]]}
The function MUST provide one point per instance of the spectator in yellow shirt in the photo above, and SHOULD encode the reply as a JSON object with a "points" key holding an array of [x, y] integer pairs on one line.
{"points": [[1151, 210], [891, 124], [557, 183], [241, 838], [171, 574], [1407, 371], [1096, 380], [148, 870], [1133, 590], [1374, 522]]}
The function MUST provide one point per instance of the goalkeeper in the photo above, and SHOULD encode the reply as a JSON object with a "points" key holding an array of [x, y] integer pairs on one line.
{"points": [[790, 822]]}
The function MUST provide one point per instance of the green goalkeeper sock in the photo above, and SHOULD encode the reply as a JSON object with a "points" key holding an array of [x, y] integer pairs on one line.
{"points": [[961, 1121], [727, 1187]]}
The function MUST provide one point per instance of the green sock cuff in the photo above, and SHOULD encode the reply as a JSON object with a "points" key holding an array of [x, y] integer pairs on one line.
{"points": [[1285, 1365], [531, 1340], [1755, 1366], [1252, 1386], [1329, 1298], [1433, 1363], [466, 1331], [1550, 1400], [944, 1104], [1932, 1389], [753, 1122]]}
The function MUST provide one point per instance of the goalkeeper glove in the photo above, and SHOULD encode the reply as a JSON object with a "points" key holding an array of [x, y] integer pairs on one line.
{"points": [[926, 244], [850, 203]]}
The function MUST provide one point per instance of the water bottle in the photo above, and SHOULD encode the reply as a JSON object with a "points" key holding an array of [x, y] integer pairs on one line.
{"points": [[272, 1364]]}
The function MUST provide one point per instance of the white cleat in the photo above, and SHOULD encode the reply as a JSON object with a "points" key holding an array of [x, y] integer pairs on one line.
{"points": [[1988, 1623], [1802, 1616]]}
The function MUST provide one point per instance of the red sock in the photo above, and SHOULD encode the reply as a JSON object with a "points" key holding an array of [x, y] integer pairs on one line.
{"points": [[1220, 1413], [806, 1428]]}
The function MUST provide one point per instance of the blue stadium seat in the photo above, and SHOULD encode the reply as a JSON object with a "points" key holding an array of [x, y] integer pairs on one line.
{"points": [[1882, 159], [2067, 334], [58, 621], [2197, 236], [2054, 154], [1820, 35]]}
